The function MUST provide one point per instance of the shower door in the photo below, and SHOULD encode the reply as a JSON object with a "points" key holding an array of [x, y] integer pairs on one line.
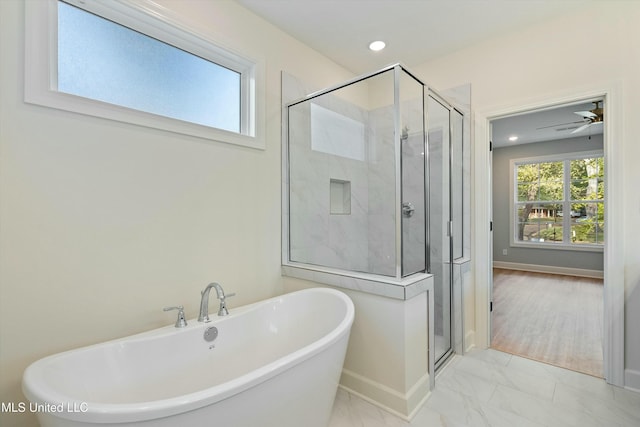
{"points": [[440, 224]]}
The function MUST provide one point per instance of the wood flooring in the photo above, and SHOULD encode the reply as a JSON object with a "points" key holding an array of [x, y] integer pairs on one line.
{"points": [[550, 318]]}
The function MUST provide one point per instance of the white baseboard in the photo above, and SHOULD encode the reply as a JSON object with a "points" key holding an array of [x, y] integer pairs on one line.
{"points": [[632, 379], [469, 341], [596, 274], [403, 405]]}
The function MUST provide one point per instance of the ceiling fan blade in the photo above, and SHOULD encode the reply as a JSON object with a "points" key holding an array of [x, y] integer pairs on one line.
{"points": [[587, 114], [581, 128], [560, 124]]}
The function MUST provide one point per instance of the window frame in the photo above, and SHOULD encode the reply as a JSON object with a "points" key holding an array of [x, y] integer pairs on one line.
{"points": [[566, 158], [148, 18]]}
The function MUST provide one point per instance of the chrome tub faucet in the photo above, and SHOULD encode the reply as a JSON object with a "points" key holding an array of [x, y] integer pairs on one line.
{"points": [[204, 302]]}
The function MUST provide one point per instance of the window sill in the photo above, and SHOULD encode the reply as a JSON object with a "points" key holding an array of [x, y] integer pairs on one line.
{"points": [[559, 247]]}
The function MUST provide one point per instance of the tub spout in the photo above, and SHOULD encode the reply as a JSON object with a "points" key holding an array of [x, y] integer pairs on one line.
{"points": [[204, 302]]}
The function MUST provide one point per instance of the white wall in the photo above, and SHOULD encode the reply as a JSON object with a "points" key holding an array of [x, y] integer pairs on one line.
{"points": [[102, 223], [595, 46], [387, 362]]}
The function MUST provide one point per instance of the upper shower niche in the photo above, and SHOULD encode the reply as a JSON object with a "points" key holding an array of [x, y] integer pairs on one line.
{"points": [[356, 178]]}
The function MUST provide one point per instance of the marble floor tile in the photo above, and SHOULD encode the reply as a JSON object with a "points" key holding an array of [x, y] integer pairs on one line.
{"points": [[351, 411], [561, 375], [489, 388], [456, 408], [539, 410], [492, 356], [596, 407], [630, 400], [514, 378], [467, 384]]}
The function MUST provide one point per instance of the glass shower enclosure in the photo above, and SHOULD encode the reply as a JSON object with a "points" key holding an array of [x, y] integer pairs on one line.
{"points": [[357, 198], [368, 185]]}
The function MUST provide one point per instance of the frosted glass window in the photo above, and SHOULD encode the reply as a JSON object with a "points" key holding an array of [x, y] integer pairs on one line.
{"points": [[105, 61]]}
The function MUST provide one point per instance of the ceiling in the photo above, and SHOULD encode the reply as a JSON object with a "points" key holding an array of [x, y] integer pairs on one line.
{"points": [[544, 125], [415, 31]]}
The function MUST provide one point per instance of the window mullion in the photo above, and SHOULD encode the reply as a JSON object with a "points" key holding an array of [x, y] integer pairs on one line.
{"points": [[566, 203]]}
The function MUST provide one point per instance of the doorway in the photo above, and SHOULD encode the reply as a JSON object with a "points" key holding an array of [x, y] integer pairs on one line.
{"points": [[613, 310], [548, 237]]}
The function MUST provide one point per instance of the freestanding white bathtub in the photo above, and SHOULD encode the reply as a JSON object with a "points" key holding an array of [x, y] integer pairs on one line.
{"points": [[275, 363]]}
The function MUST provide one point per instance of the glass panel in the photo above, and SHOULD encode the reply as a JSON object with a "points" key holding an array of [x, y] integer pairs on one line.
{"points": [[550, 190], [579, 189], [456, 182], [587, 223], [105, 61], [412, 140], [527, 191], [344, 140], [587, 179], [439, 216], [587, 183], [539, 223], [540, 181]]}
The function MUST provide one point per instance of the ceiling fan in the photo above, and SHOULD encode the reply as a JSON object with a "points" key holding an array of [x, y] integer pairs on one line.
{"points": [[589, 118], [592, 117]]}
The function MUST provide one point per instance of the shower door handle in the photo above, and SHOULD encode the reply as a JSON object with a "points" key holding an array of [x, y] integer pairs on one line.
{"points": [[407, 209]]}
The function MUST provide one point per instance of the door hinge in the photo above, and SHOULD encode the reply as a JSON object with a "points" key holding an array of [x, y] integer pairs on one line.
{"points": [[490, 225], [491, 306], [490, 145]]}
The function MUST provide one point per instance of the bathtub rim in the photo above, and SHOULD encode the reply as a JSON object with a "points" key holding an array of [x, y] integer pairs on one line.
{"points": [[145, 411]]}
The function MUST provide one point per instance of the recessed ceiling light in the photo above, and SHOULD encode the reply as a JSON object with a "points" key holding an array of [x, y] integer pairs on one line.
{"points": [[377, 45], [513, 138]]}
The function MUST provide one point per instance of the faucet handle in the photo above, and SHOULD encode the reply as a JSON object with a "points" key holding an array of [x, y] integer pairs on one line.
{"points": [[181, 322], [222, 311]]}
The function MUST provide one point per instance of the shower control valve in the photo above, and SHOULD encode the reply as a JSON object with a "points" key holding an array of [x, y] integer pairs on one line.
{"points": [[408, 209]]}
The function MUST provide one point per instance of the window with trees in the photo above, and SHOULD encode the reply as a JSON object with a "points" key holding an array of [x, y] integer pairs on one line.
{"points": [[559, 201]]}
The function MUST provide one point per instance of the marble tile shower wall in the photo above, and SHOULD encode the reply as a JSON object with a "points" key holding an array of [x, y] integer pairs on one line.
{"points": [[317, 236], [413, 185], [364, 239], [382, 210], [382, 180]]}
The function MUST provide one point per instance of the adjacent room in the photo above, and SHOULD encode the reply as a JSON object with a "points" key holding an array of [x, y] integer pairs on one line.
{"points": [[548, 266]]}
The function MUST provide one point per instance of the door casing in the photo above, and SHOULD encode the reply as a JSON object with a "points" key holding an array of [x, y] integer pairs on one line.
{"points": [[613, 315]]}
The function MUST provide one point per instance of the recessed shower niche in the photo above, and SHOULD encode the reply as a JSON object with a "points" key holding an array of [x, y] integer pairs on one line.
{"points": [[367, 197], [340, 197]]}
